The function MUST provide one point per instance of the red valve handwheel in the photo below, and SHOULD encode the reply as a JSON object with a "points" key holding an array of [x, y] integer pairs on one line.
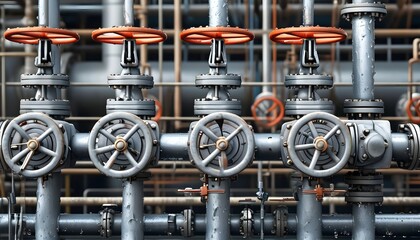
{"points": [[32, 35], [413, 102], [159, 110], [204, 35], [269, 121], [296, 35], [117, 35]]}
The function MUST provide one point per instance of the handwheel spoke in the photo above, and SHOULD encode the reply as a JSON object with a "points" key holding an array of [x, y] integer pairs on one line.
{"points": [[44, 135], [313, 129], [131, 132], [223, 161], [209, 133], [105, 149], [207, 145], [234, 133], [47, 151], [20, 155], [314, 160], [333, 156], [304, 146], [331, 132], [108, 135], [20, 130], [211, 157], [131, 159], [27, 159], [111, 160]]}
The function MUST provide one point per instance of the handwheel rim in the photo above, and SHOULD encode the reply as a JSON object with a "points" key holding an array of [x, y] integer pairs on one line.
{"points": [[117, 35], [296, 35], [276, 103], [410, 103], [204, 35], [32, 35]]}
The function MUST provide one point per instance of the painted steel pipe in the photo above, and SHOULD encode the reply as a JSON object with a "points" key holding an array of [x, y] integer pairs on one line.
{"points": [[132, 225], [308, 13], [128, 13], [48, 207], [309, 213], [218, 13], [218, 210], [363, 221]]}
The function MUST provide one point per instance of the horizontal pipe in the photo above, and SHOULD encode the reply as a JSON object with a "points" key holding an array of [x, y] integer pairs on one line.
{"points": [[196, 201], [170, 224]]}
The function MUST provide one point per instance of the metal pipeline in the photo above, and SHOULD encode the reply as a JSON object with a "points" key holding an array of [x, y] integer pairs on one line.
{"points": [[132, 225], [309, 212], [266, 57]]}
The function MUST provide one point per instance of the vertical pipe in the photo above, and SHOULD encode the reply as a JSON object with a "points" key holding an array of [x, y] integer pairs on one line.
{"points": [[218, 210], [266, 56], [309, 214], [363, 37], [363, 221], [54, 22], [111, 16], [128, 13], [308, 13], [3, 69], [43, 13], [132, 223], [48, 207], [218, 13], [177, 62]]}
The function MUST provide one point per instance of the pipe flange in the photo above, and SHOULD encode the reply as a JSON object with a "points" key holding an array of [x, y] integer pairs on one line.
{"points": [[205, 107], [280, 221], [413, 135], [34, 80], [377, 10], [229, 81], [246, 228], [295, 81], [187, 228], [33, 145], [221, 144], [121, 145], [58, 109], [298, 107], [140, 81], [143, 108], [107, 220], [364, 188], [318, 144], [362, 109]]}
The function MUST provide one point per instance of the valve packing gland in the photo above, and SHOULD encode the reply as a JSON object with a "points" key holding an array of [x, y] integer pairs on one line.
{"points": [[303, 80], [205, 107], [141, 81], [56, 80], [144, 108], [230, 81], [375, 9], [55, 108], [298, 107]]}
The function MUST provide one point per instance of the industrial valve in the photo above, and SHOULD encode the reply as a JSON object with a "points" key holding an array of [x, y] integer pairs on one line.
{"points": [[121, 144], [318, 144], [34, 145], [267, 110], [3, 165], [221, 144]]}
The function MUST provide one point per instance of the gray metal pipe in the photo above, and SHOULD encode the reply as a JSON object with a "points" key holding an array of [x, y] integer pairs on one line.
{"points": [[218, 210], [363, 40], [48, 207], [128, 13], [363, 221], [309, 213], [43, 13], [132, 222], [112, 15], [266, 44], [159, 224], [218, 13], [308, 12], [400, 147]]}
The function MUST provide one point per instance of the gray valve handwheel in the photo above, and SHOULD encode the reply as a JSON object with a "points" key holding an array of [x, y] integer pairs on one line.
{"points": [[33, 144], [325, 151], [221, 144], [120, 145]]}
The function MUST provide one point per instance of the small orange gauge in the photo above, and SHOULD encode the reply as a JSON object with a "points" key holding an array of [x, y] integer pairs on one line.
{"points": [[117, 35], [32, 35], [296, 35], [414, 117], [159, 110], [267, 111], [204, 35]]}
